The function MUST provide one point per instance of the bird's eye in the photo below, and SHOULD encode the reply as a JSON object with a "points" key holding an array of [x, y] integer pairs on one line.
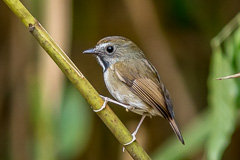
{"points": [[110, 49]]}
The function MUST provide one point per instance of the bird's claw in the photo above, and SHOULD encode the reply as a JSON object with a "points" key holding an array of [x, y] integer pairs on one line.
{"points": [[133, 139], [104, 104]]}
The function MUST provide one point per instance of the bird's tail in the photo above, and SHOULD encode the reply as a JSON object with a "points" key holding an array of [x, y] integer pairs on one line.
{"points": [[176, 129]]}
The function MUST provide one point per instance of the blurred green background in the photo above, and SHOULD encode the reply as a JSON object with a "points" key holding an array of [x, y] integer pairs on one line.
{"points": [[42, 116]]}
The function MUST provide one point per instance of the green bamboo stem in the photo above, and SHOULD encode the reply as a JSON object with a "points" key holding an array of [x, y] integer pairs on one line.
{"points": [[77, 79]]}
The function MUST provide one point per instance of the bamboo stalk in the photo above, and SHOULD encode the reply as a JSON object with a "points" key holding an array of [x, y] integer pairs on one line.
{"points": [[77, 79]]}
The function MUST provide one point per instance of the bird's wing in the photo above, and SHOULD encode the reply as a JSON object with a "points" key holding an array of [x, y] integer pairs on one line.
{"points": [[145, 85], [148, 87]]}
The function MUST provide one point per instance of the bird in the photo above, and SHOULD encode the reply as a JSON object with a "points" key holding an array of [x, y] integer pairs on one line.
{"points": [[133, 81]]}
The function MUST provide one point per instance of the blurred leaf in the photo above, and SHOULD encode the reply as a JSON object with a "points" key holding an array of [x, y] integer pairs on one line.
{"points": [[222, 100], [42, 121], [237, 52], [223, 95], [75, 124]]}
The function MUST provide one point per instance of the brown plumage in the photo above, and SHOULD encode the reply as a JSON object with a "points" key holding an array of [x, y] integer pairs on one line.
{"points": [[133, 80]]}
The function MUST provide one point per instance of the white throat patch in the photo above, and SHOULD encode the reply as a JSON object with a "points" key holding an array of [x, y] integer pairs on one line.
{"points": [[101, 63]]}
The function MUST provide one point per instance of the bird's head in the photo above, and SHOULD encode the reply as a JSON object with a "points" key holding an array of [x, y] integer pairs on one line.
{"points": [[110, 50]]}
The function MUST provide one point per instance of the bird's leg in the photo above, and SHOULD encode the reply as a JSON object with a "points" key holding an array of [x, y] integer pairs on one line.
{"points": [[139, 124], [135, 132], [106, 99], [127, 107]]}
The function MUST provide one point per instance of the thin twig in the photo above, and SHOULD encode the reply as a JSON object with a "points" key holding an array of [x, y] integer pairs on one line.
{"points": [[229, 77]]}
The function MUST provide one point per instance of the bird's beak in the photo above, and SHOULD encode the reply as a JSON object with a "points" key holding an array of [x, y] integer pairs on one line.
{"points": [[90, 51]]}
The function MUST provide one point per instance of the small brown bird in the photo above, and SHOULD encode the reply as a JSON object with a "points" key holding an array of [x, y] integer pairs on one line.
{"points": [[133, 81]]}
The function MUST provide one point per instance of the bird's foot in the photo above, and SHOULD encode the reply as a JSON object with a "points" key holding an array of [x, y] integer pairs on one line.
{"points": [[106, 99], [133, 139]]}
